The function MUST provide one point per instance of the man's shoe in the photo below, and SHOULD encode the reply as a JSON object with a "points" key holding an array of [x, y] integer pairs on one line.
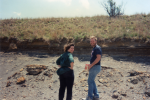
{"points": [[88, 98], [94, 98]]}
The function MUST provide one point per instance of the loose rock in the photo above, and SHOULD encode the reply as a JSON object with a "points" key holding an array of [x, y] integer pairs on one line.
{"points": [[147, 94], [134, 81], [8, 84], [20, 80], [115, 96], [134, 73], [86, 89]]}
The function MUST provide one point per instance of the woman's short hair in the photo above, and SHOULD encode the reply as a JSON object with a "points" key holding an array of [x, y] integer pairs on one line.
{"points": [[67, 46], [93, 37]]}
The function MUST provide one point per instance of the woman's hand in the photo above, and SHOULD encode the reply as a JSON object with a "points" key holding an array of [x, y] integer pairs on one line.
{"points": [[71, 64], [59, 66]]}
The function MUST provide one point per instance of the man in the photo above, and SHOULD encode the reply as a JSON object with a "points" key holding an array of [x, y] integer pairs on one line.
{"points": [[94, 69]]}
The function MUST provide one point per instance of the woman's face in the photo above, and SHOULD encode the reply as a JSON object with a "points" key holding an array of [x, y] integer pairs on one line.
{"points": [[71, 49]]}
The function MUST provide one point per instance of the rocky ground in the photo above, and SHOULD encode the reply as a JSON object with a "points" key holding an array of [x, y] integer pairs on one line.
{"points": [[121, 78]]}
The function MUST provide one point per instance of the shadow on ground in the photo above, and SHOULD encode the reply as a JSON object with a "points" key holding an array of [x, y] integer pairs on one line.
{"points": [[84, 57]]}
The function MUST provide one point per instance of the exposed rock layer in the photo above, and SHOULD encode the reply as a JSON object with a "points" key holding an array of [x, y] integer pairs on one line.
{"points": [[115, 46]]}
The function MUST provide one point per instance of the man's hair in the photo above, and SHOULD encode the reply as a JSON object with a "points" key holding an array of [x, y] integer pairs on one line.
{"points": [[67, 46], [93, 37]]}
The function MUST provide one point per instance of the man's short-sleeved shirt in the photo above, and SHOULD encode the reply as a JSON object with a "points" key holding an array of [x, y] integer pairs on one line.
{"points": [[96, 50]]}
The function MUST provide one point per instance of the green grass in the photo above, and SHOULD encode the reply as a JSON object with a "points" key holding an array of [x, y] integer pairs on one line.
{"points": [[134, 26]]}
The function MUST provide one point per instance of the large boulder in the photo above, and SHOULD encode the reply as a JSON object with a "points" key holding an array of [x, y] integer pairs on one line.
{"points": [[35, 69]]}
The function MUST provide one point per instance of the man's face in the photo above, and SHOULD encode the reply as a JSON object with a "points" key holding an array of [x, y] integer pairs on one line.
{"points": [[93, 42]]}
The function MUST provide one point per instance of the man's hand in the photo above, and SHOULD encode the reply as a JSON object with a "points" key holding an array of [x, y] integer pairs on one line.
{"points": [[95, 62], [89, 67]]}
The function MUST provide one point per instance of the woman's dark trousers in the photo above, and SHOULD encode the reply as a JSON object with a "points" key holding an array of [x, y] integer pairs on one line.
{"points": [[66, 80]]}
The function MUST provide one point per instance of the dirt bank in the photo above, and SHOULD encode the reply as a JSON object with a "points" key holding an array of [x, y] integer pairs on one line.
{"points": [[113, 46]]}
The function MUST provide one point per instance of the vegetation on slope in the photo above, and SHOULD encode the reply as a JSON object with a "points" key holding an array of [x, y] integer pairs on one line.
{"points": [[134, 27]]}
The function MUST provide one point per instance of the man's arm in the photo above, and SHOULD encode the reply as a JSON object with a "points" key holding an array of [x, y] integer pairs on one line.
{"points": [[98, 57]]}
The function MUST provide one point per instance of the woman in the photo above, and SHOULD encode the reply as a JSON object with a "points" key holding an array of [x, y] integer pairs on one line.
{"points": [[65, 72]]}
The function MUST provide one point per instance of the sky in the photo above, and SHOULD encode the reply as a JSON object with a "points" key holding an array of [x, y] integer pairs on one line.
{"points": [[66, 8]]}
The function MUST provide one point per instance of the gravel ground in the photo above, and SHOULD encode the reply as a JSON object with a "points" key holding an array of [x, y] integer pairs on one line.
{"points": [[121, 78]]}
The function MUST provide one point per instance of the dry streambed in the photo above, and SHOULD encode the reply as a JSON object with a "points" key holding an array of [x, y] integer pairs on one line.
{"points": [[34, 77]]}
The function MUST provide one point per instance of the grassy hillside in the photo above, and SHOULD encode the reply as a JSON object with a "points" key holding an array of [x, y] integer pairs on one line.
{"points": [[135, 26]]}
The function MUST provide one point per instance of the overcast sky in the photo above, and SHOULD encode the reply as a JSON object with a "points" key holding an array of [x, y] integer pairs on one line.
{"points": [[65, 8]]}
